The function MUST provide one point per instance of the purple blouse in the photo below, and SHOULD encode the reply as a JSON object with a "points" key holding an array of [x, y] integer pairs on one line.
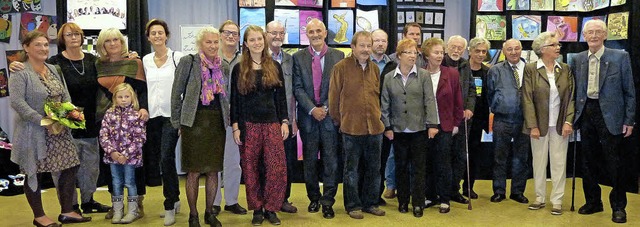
{"points": [[123, 131]]}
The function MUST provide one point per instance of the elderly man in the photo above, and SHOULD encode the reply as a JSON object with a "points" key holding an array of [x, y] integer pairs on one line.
{"points": [[354, 104], [275, 39], [504, 95], [312, 68], [456, 46], [605, 113], [413, 31]]}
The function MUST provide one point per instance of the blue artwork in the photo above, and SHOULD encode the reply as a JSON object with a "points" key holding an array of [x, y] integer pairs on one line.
{"points": [[289, 18], [251, 16], [585, 19], [340, 26], [372, 2], [525, 27]]}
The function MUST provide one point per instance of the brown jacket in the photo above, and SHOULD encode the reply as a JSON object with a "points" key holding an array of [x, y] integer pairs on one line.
{"points": [[535, 97], [354, 97]]}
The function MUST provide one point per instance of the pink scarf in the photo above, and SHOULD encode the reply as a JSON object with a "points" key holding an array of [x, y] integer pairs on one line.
{"points": [[316, 69], [212, 80]]}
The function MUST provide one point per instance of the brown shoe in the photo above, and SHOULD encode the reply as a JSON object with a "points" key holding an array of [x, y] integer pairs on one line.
{"points": [[356, 214], [288, 208], [389, 193], [375, 211]]}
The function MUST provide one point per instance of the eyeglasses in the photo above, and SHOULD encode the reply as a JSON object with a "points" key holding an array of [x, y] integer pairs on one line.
{"points": [[274, 33], [72, 34], [409, 52], [597, 32], [553, 45], [230, 33]]}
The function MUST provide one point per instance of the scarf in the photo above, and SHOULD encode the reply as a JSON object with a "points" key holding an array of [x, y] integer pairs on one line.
{"points": [[212, 80], [316, 67]]}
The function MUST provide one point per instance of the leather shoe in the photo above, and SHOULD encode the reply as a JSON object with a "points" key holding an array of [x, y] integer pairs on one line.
{"points": [[272, 217], [472, 195], [496, 198], [236, 209], [258, 217], [76, 208], [327, 212], [314, 207], [54, 224], [94, 207], [194, 221], [619, 216], [459, 199], [381, 202], [66, 219], [444, 208], [288, 207], [519, 198], [417, 212], [590, 209], [216, 210], [403, 208]]}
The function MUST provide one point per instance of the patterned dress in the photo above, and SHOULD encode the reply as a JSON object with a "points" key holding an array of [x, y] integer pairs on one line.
{"points": [[61, 152]]}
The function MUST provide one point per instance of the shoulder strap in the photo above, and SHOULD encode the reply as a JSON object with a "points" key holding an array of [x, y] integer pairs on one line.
{"points": [[174, 59]]}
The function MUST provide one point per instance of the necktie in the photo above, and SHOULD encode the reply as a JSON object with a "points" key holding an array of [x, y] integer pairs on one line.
{"points": [[516, 75], [592, 83]]}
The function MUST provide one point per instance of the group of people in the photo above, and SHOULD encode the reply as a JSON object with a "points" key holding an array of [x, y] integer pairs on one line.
{"points": [[409, 119]]}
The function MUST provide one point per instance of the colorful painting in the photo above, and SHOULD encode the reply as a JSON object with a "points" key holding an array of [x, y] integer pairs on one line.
{"points": [[286, 2], [525, 27], [366, 20], [541, 5], [289, 18], [347, 51], [340, 26], [566, 28], [310, 3], [13, 55], [581, 5], [491, 27], [251, 16], [490, 6], [5, 28], [305, 17], [251, 3], [517, 4], [618, 2], [598, 4], [343, 3], [43, 23], [618, 26], [7, 6], [372, 2], [584, 21], [4, 82]]}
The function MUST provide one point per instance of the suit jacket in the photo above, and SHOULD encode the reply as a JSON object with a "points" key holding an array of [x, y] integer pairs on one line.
{"points": [[617, 93], [303, 87], [409, 106], [535, 97], [503, 96], [449, 99], [287, 72]]}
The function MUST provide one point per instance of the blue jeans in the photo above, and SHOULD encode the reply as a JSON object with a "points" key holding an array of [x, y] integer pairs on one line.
{"points": [[123, 176], [390, 171], [503, 133], [367, 149]]}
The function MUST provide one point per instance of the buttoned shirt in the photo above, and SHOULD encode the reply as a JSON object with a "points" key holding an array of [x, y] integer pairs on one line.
{"points": [[385, 59], [593, 85], [554, 95], [276, 57], [160, 82]]}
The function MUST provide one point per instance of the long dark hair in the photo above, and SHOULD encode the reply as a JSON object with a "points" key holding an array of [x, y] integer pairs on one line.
{"points": [[246, 80]]}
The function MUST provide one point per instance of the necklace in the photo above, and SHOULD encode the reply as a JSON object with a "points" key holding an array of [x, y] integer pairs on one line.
{"points": [[74, 67], [159, 58], [254, 61]]}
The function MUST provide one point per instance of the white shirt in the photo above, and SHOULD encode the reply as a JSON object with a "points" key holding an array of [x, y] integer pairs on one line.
{"points": [[160, 82], [554, 95], [413, 70], [520, 70], [435, 78]]}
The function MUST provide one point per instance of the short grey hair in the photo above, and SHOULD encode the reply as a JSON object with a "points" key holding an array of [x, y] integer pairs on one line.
{"points": [[597, 22], [204, 31], [459, 38], [539, 41], [273, 24], [477, 41]]}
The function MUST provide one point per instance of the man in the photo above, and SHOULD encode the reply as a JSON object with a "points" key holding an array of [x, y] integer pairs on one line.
{"points": [[605, 114], [354, 104], [312, 68], [231, 173], [380, 43], [453, 58], [504, 97], [275, 38], [413, 31]]}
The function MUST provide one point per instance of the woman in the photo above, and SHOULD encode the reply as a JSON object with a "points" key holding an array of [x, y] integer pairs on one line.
{"points": [[548, 107], [37, 149], [114, 67], [200, 112], [260, 124], [408, 108], [448, 94], [159, 68]]}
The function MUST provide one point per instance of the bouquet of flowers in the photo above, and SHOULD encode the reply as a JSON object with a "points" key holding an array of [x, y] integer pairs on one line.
{"points": [[60, 114]]}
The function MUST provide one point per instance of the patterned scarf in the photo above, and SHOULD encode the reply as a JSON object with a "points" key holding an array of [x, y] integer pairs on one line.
{"points": [[212, 80]]}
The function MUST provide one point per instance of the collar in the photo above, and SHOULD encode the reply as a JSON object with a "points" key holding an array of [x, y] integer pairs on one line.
{"points": [[520, 64], [316, 51], [355, 60], [278, 56], [385, 59], [414, 70], [598, 53], [540, 64]]}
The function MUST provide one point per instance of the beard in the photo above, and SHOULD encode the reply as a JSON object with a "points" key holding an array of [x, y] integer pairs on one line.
{"points": [[276, 43]]}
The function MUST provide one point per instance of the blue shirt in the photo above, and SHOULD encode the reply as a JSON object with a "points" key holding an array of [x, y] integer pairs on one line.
{"points": [[385, 59]]}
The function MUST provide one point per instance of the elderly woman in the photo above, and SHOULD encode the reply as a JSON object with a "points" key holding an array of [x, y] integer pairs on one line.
{"points": [[200, 111], [38, 149], [260, 124], [448, 94], [115, 67], [408, 109], [548, 106], [159, 68]]}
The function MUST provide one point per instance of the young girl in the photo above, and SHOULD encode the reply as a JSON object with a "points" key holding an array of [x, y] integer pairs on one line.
{"points": [[122, 135]]}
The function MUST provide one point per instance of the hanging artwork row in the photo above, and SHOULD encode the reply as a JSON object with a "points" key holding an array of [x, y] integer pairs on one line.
{"points": [[546, 5]]}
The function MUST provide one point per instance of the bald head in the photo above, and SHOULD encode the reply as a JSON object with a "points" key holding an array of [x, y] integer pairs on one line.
{"points": [[512, 50], [380, 42], [316, 32]]}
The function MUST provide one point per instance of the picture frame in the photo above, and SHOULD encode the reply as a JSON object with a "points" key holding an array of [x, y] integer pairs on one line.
{"points": [[409, 16], [420, 17], [400, 17], [438, 18]]}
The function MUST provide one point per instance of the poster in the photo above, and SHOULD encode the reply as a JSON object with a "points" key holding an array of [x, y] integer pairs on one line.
{"points": [[585, 19], [310, 3], [541, 5], [566, 28], [525, 27], [188, 34], [10, 6], [290, 51], [98, 14], [518, 4], [285, 3], [372, 2], [251, 16], [340, 28], [618, 26], [251, 3], [581, 5], [5, 28], [290, 20], [4, 82], [305, 17], [45, 24], [618, 2], [366, 20], [491, 27], [490, 6], [13, 55], [343, 3]]}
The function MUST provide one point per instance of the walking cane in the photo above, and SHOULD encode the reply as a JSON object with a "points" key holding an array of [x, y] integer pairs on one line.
{"points": [[573, 182], [466, 146]]}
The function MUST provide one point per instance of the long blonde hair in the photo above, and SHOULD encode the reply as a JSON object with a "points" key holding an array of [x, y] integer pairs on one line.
{"points": [[125, 87]]}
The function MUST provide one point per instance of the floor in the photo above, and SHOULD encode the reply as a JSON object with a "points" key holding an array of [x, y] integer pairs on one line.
{"points": [[16, 212]]}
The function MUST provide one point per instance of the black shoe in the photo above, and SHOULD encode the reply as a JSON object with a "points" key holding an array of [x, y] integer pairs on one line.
{"points": [[496, 198], [417, 212], [76, 208], [403, 208], [473, 194], [194, 221], [37, 224], [381, 202], [236, 209], [619, 216], [94, 207], [67, 220], [272, 217], [432, 203], [459, 199], [314, 206], [519, 198], [206, 216], [327, 212], [590, 209], [212, 220], [444, 210], [216, 210], [258, 217]]}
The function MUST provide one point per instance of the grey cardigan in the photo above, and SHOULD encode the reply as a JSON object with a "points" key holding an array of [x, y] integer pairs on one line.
{"points": [[185, 94], [28, 96], [410, 107]]}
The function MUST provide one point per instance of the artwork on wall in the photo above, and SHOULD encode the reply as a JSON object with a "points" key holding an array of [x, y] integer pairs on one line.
{"points": [[372, 2], [310, 3], [4, 82], [541, 5], [565, 27], [5, 28], [343, 3], [618, 2], [525, 27], [517, 4], [43, 23], [618, 26], [491, 27], [290, 19], [89, 45], [98, 14], [490, 6], [305, 17], [366, 20], [251, 16], [251, 3], [340, 28], [580, 5], [585, 19], [13, 55], [285, 3]]}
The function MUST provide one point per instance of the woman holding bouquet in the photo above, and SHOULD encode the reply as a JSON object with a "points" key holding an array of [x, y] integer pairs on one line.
{"points": [[36, 148]]}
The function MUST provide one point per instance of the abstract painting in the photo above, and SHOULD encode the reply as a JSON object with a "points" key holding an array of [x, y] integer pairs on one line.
{"points": [[305, 17], [525, 27], [490, 6], [566, 28], [491, 27]]}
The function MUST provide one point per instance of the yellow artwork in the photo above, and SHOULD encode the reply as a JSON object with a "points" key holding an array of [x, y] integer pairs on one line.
{"points": [[618, 26]]}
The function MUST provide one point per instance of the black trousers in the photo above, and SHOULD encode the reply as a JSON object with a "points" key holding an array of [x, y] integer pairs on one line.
{"points": [[160, 151], [291, 154], [410, 151], [602, 158], [459, 156]]}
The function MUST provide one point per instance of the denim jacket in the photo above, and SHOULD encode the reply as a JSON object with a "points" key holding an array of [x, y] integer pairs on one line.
{"points": [[503, 96]]}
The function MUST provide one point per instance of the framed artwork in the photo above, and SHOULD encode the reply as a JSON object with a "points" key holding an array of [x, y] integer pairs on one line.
{"points": [[438, 18], [98, 14], [490, 6], [400, 17], [340, 28], [491, 27], [409, 16], [428, 17], [618, 26], [251, 3], [565, 27], [525, 27], [420, 17]]}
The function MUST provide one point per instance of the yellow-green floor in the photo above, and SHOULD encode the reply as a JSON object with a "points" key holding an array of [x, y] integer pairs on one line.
{"points": [[14, 211]]}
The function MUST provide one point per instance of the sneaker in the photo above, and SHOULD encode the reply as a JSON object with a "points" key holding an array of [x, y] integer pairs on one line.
{"points": [[556, 210], [375, 211], [272, 217], [536, 205], [356, 214], [389, 193], [258, 217]]}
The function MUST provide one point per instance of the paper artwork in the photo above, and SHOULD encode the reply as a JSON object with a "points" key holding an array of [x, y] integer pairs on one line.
{"points": [[491, 27], [98, 14], [517, 4], [372, 2], [490, 6], [305, 17], [343, 3], [366, 20], [618, 26], [5, 28], [310, 3], [43, 23], [618, 2], [13, 55], [581, 5], [525, 27], [251, 3], [251, 16], [7, 6], [410, 16], [541, 5], [585, 19], [285, 2], [340, 29], [4, 83], [290, 19], [566, 28]]}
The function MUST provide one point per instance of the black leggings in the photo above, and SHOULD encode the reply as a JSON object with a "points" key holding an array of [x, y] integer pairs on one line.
{"points": [[65, 188]]}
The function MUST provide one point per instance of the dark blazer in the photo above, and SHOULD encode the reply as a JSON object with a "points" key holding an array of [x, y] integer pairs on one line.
{"points": [[503, 95], [535, 97], [617, 95], [449, 99], [409, 106], [287, 71], [303, 87]]}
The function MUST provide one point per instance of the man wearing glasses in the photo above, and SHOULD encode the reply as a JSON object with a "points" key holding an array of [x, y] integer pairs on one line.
{"points": [[605, 114]]}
